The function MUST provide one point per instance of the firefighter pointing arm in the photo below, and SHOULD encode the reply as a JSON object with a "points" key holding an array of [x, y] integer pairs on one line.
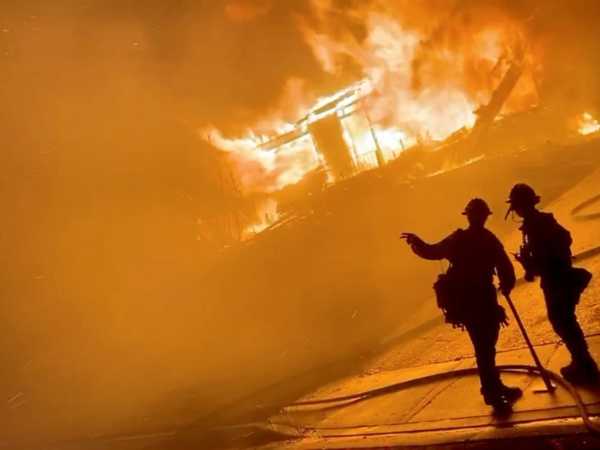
{"points": [[504, 268], [433, 252], [467, 295]]}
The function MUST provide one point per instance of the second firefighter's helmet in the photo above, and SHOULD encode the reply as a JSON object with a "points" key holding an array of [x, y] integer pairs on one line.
{"points": [[522, 195]]}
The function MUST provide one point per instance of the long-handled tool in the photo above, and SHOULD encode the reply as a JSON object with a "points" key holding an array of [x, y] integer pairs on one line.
{"points": [[549, 386]]}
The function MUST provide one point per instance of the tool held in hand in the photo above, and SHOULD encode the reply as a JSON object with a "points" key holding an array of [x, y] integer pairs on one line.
{"points": [[550, 388]]}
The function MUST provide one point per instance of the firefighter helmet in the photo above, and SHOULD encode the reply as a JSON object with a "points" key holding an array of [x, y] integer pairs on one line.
{"points": [[522, 195], [477, 206]]}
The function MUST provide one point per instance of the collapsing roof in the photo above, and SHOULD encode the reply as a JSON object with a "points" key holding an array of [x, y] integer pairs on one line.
{"points": [[331, 135], [333, 123]]}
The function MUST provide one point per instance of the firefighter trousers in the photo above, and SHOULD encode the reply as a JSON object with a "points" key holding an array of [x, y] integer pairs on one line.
{"points": [[484, 336], [560, 305]]}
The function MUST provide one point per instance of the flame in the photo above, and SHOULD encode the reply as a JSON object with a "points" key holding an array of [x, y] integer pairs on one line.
{"points": [[426, 90], [267, 215], [266, 171], [261, 170], [451, 165], [587, 124], [424, 74]]}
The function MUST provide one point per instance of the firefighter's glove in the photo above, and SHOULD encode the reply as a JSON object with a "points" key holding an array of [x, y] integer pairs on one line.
{"points": [[502, 317], [529, 277], [504, 290]]}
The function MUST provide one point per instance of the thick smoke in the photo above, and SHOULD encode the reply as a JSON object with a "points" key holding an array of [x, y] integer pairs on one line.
{"points": [[103, 181]]}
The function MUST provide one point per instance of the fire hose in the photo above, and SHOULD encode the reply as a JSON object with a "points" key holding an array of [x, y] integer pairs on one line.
{"points": [[538, 369], [576, 212], [511, 368]]}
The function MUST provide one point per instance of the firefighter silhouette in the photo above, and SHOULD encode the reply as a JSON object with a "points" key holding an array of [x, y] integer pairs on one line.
{"points": [[468, 296], [546, 252]]}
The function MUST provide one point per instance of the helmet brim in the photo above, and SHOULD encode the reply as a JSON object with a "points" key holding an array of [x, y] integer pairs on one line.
{"points": [[536, 200], [472, 213]]}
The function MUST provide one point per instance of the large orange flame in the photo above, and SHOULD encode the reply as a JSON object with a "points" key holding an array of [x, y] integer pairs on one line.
{"points": [[426, 73]]}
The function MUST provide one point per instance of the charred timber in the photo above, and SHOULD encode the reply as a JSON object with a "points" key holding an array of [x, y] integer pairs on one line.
{"points": [[489, 112], [299, 131], [283, 139]]}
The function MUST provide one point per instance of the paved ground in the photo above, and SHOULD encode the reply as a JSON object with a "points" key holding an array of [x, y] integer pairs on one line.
{"points": [[438, 412]]}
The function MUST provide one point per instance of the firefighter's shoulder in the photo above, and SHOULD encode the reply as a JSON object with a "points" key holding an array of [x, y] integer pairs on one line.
{"points": [[547, 219], [457, 234], [493, 238]]}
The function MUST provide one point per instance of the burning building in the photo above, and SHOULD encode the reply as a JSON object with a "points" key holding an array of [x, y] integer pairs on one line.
{"points": [[425, 79], [341, 134]]}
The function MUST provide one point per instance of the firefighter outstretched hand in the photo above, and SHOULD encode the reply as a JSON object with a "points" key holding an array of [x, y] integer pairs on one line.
{"points": [[411, 238], [502, 317]]}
